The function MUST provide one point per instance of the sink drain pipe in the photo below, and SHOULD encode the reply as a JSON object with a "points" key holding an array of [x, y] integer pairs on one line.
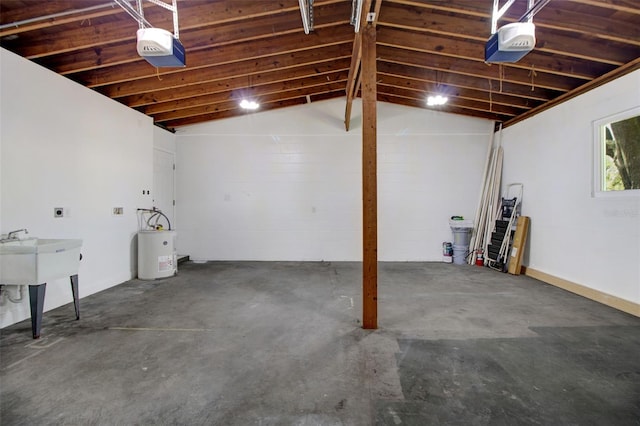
{"points": [[11, 299]]}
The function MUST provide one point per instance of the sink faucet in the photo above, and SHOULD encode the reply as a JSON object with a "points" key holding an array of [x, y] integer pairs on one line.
{"points": [[12, 235]]}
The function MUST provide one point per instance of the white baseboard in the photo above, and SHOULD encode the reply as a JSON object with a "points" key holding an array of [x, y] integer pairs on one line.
{"points": [[596, 295]]}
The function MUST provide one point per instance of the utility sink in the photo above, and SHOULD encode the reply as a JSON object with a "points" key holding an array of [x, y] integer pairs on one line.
{"points": [[37, 261]]}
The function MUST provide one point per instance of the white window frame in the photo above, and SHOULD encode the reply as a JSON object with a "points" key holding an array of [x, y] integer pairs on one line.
{"points": [[599, 154]]}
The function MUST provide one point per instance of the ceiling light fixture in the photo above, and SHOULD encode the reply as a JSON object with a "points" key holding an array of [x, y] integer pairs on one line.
{"points": [[356, 12], [436, 100], [249, 105], [306, 10]]}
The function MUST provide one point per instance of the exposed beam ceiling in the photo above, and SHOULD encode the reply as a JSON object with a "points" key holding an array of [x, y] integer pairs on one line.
{"points": [[258, 49]]}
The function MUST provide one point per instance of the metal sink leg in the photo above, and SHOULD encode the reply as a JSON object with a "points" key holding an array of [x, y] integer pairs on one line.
{"points": [[36, 301], [74, 290]]}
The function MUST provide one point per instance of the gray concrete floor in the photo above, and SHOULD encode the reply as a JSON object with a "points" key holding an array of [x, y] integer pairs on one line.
{"points": [[280, 343]]}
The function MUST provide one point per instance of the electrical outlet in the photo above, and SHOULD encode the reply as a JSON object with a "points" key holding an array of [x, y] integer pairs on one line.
{"points": [[58, 212], [117, 211]]}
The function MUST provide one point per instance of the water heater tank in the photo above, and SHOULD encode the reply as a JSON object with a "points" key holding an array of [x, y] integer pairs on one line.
{"points": [[156, 254]]}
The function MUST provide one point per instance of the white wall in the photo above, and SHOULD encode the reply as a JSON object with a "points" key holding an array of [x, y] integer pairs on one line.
{"points": [[593, 241], [286, 184], [63, 145], [164, 140]]}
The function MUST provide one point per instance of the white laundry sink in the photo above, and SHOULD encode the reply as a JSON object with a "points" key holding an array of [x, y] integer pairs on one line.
{"points": [[36, 261]]}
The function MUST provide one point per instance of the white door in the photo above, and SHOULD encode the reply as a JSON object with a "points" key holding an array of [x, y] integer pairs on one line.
{"points": [[163, 183]]}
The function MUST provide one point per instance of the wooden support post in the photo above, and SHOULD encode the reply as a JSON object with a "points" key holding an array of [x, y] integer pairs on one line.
{"points": [[369, 181]]}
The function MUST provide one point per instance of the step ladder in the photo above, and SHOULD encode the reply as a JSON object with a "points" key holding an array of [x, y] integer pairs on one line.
{"points": [[497, 251]]}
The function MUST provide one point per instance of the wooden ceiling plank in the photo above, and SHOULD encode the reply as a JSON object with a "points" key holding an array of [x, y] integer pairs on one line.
{"points": [[211, 34], [474, 51], [606, 78], [463, 68], [201, 13], [454, 85], [619, 5], [429, 87], [446, 79], [482, 10], [232, 113], [611, 54], [220, 102], [86, 36], [126, 54], [276, 81], [500, 76], [34, 9], [256, 95], [247, 69], [449, 7], [459, 103], [481, 104], [550, 41], [192, 15], [561, 19], [47, 14], [450, 109], [558, 18], [472, 75], [223, 55], [169, 95], [208, 34], [267, 26], [284, 97]]}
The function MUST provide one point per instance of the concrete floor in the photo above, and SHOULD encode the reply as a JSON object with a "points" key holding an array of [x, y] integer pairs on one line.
{"points": [[280, 343]]}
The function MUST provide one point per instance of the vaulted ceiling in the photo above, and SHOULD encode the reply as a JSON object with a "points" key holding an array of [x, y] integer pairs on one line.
{"points": [[258, 50]]}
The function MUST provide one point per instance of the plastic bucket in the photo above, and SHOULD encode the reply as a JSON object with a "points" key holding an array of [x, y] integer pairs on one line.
{"points": [[460, 254], [461, 236]]}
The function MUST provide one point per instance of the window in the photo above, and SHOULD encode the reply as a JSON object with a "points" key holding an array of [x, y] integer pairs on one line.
{"points": [[617, 153]]}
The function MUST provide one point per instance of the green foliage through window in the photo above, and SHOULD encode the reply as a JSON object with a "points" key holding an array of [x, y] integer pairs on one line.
{"points": [[620, 154]]}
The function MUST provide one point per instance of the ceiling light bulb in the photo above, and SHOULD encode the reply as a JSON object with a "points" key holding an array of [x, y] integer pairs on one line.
{"points": [[437, 100], [245, 104]]}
